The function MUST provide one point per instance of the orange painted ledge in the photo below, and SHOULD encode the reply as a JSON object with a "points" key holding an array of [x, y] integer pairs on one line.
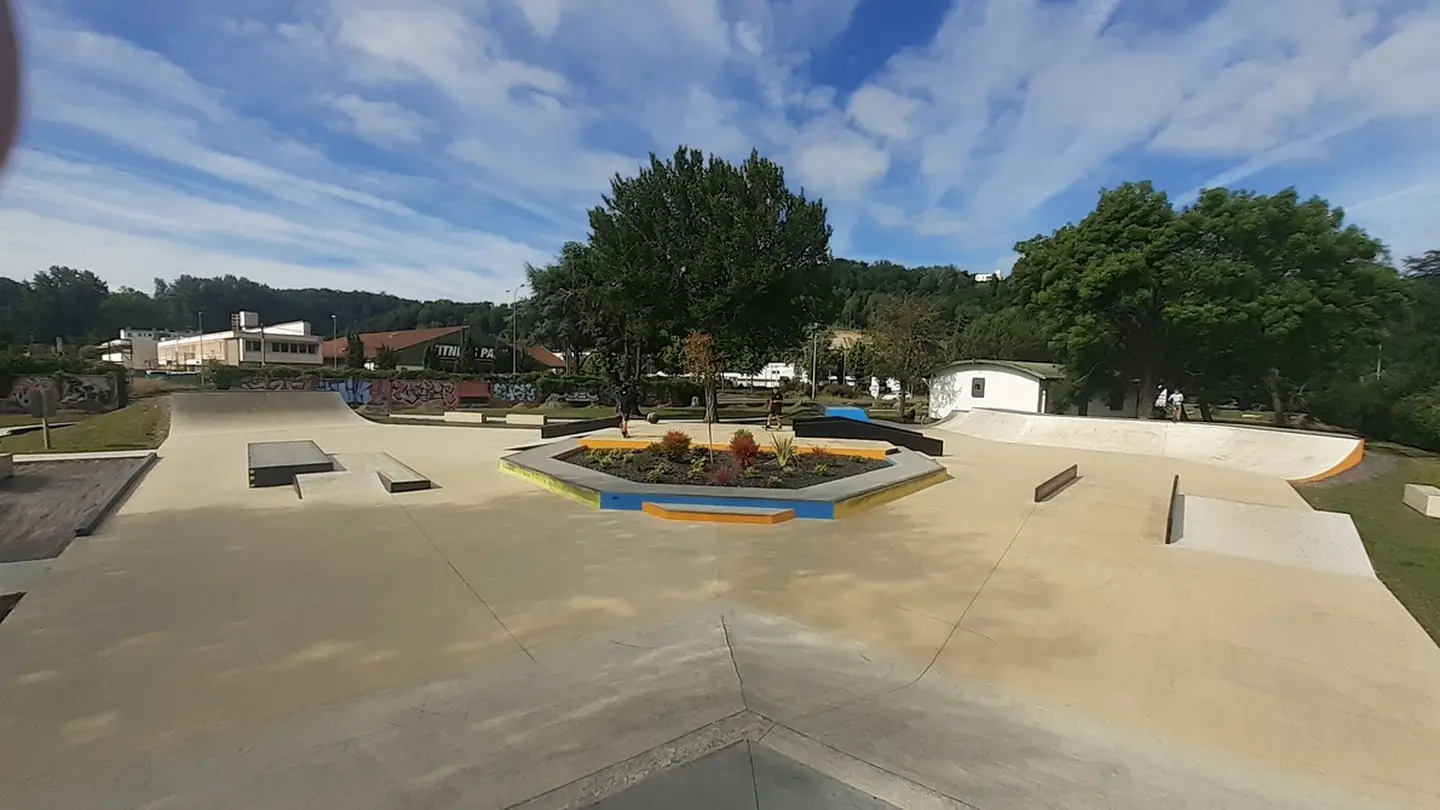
{"points": [[1355, 457], [681, 512], [592, 443]]}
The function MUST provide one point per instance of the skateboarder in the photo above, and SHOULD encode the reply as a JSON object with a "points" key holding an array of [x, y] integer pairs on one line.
{"points": [[776, 403], [628, 404], [1177, 406]]}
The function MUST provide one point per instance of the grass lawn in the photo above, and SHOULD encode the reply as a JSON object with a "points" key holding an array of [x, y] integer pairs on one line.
{"points": [[1404, 545], [17, 419], [141, 425]]}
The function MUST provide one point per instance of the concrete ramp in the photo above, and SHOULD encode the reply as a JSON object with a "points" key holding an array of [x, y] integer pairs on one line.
{"points": [[212, 412], [1296, 456], [1301, 538]]}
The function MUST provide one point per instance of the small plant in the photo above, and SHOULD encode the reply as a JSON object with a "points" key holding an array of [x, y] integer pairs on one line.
{"points": [[655, 474], [675, 445], [750, 472], [744, 451], [819, 450], [725, 474], [821, 469], [602, 458], [697, 468], [775, 481], [784, 450]]}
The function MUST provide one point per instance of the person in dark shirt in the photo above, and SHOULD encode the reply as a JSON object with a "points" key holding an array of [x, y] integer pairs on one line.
{"points": [[777, 403], [628, 405]]}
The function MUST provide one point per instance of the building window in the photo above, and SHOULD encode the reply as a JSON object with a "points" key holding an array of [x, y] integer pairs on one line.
{"points": [[977, 388], [252, 345]]}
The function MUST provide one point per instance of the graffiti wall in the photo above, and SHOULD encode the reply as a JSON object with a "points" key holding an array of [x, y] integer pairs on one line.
{"points": [[266, 384], [514, 392], [394, 395], [91, 392], [356, 393]]}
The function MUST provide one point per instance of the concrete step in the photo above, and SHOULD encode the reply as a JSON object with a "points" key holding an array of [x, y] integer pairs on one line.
{"points": [[396, 476], [714, 513]]}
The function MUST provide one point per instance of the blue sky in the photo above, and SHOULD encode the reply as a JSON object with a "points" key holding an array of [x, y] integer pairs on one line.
{"points": [[431, 148]]}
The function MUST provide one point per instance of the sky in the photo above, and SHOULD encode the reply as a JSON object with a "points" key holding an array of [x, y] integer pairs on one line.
{"points": [[432, 148]]}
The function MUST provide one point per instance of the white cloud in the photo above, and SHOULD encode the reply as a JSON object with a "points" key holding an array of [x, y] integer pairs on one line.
{"points": [[489, 125], [383, 121]]}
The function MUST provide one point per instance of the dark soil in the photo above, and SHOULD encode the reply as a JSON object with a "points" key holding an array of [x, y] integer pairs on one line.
{"points": [[703, 468]]}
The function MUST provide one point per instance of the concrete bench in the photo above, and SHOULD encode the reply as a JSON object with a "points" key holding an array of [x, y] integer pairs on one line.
{"points": [[1424, 499], [7, 465], [527, 419], [468, 417]]}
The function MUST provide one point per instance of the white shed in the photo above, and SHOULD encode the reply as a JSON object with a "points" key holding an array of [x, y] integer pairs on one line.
{"points": [[1002, 385], [1012, 385]]}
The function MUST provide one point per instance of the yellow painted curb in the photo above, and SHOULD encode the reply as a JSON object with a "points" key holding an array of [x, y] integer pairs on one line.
{"points": [[1355, 457], [588, 497], [870, 500], [872, 453], [678, 512]]}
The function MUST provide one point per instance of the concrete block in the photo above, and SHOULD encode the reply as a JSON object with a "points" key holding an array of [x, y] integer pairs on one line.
{"points": [[1424, 499], [467, 417], [7, 465], [527, 419]]}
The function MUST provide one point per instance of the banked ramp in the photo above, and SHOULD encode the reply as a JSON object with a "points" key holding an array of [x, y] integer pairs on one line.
{"points": [[1296, 456], [211, 412]]}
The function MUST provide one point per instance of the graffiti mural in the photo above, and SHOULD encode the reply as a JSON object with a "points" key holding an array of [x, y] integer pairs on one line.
{"points": [[91, 392], [513, 392], [412, 395], [356, 393], [268, 384]]}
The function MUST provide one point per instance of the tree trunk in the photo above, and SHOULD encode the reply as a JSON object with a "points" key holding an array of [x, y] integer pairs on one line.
{"points": [[1205, 414], [1145, 404], [1277, 398], [712, 400]]}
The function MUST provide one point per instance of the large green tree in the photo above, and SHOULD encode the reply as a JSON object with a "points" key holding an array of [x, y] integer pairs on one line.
{"points": [[1099, 290], [568, 304], [697, 244], [906, 336]]}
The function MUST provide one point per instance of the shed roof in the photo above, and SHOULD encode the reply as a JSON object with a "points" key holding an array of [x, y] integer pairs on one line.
{"points": [[1039, 371]]}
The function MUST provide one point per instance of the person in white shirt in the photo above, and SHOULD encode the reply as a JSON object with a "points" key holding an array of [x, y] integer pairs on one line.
{"points": [[1177, 405]]}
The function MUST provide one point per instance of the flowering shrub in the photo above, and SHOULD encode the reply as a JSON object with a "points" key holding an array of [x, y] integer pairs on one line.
{"points": [[743, 449]]}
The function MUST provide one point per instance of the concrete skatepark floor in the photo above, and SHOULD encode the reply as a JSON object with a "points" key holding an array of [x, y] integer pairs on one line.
{"points": [[487, 644]]}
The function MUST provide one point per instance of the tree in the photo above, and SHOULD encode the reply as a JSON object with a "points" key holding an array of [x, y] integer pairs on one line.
{"points": [[697, 245], [386, 358], [565, 303], [1425, 266], [1100, 289], [703, 363], [906, 334], [354, 350], [1009, 334]]}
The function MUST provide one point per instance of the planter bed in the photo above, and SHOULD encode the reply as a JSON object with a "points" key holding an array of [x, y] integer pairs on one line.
{"points": [[699, 467]]}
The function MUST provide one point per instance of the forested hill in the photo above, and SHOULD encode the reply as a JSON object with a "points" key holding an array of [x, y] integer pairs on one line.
{"points": [[79, 307]]}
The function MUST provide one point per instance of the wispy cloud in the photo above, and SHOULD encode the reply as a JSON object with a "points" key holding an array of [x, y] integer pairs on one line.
{"points": [[433, 147]]}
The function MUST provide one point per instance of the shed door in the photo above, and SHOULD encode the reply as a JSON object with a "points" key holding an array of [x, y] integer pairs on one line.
{"points": [[977, 388]]}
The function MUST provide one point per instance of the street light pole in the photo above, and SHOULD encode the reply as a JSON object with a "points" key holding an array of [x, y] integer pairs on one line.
{"points": [[200, 324], [515, 329], [334, 336]]}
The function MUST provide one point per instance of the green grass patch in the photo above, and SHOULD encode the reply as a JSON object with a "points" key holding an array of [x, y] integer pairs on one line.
{"points": [[19, 419], [139, 426], [1404, 545]]}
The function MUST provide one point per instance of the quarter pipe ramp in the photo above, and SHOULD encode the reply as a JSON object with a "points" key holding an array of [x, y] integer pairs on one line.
{"points": [[211, 412], [1296, 456]]}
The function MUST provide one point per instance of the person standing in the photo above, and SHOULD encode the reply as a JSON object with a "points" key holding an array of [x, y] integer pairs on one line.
{"points": [[628, 404], [1177, 406], [777, 404]]}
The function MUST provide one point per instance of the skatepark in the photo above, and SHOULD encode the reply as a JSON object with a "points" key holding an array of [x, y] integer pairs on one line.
{"points": [[484, 643]]}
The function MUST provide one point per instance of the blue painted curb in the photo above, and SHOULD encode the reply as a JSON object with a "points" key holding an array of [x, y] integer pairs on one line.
{"points": [[632, 502]]}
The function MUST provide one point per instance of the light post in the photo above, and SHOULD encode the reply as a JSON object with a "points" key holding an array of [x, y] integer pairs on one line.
{"points": [[200, 324], [334, 336], [515, 328]]}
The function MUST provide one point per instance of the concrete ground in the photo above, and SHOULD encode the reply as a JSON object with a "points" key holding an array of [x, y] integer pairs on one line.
{"points": [[486, 643]]}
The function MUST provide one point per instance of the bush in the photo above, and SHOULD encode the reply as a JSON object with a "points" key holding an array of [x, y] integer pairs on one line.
{"points": [[725, 474], [744, 450], [1416, 420], [675, 445]]}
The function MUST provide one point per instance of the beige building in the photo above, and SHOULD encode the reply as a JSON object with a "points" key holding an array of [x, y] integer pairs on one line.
{"points": [[136, 348], [246, 343]]}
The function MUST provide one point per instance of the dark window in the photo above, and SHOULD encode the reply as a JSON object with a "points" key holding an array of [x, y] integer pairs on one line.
{"points": [[977, 388], [252, 345]]}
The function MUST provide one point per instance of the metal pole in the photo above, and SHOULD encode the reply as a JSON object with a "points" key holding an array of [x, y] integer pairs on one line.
{"points": [[514, 331], [200, 324], [334, 336], [814, 363]]}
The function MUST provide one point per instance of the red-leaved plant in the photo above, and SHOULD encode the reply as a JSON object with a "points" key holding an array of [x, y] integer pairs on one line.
{"points": [[743, 449], [675, 445], [724, 475]]}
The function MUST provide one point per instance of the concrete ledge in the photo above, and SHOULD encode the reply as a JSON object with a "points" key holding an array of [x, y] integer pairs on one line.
{"points": [[395, 476], [526, 419], [92, 518], [1174, 512], [467, 417], [555, 430], [1424, 499], [701, 513], [604, 443], [1057, 482], [575, 492], [7, 465]]}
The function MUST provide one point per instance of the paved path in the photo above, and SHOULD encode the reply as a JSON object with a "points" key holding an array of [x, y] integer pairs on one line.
{"points": [[284, 643]]}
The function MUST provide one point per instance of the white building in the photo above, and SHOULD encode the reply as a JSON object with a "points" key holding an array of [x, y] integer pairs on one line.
{"points": [[247, 342], [1006, 385], [135, 348]]}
